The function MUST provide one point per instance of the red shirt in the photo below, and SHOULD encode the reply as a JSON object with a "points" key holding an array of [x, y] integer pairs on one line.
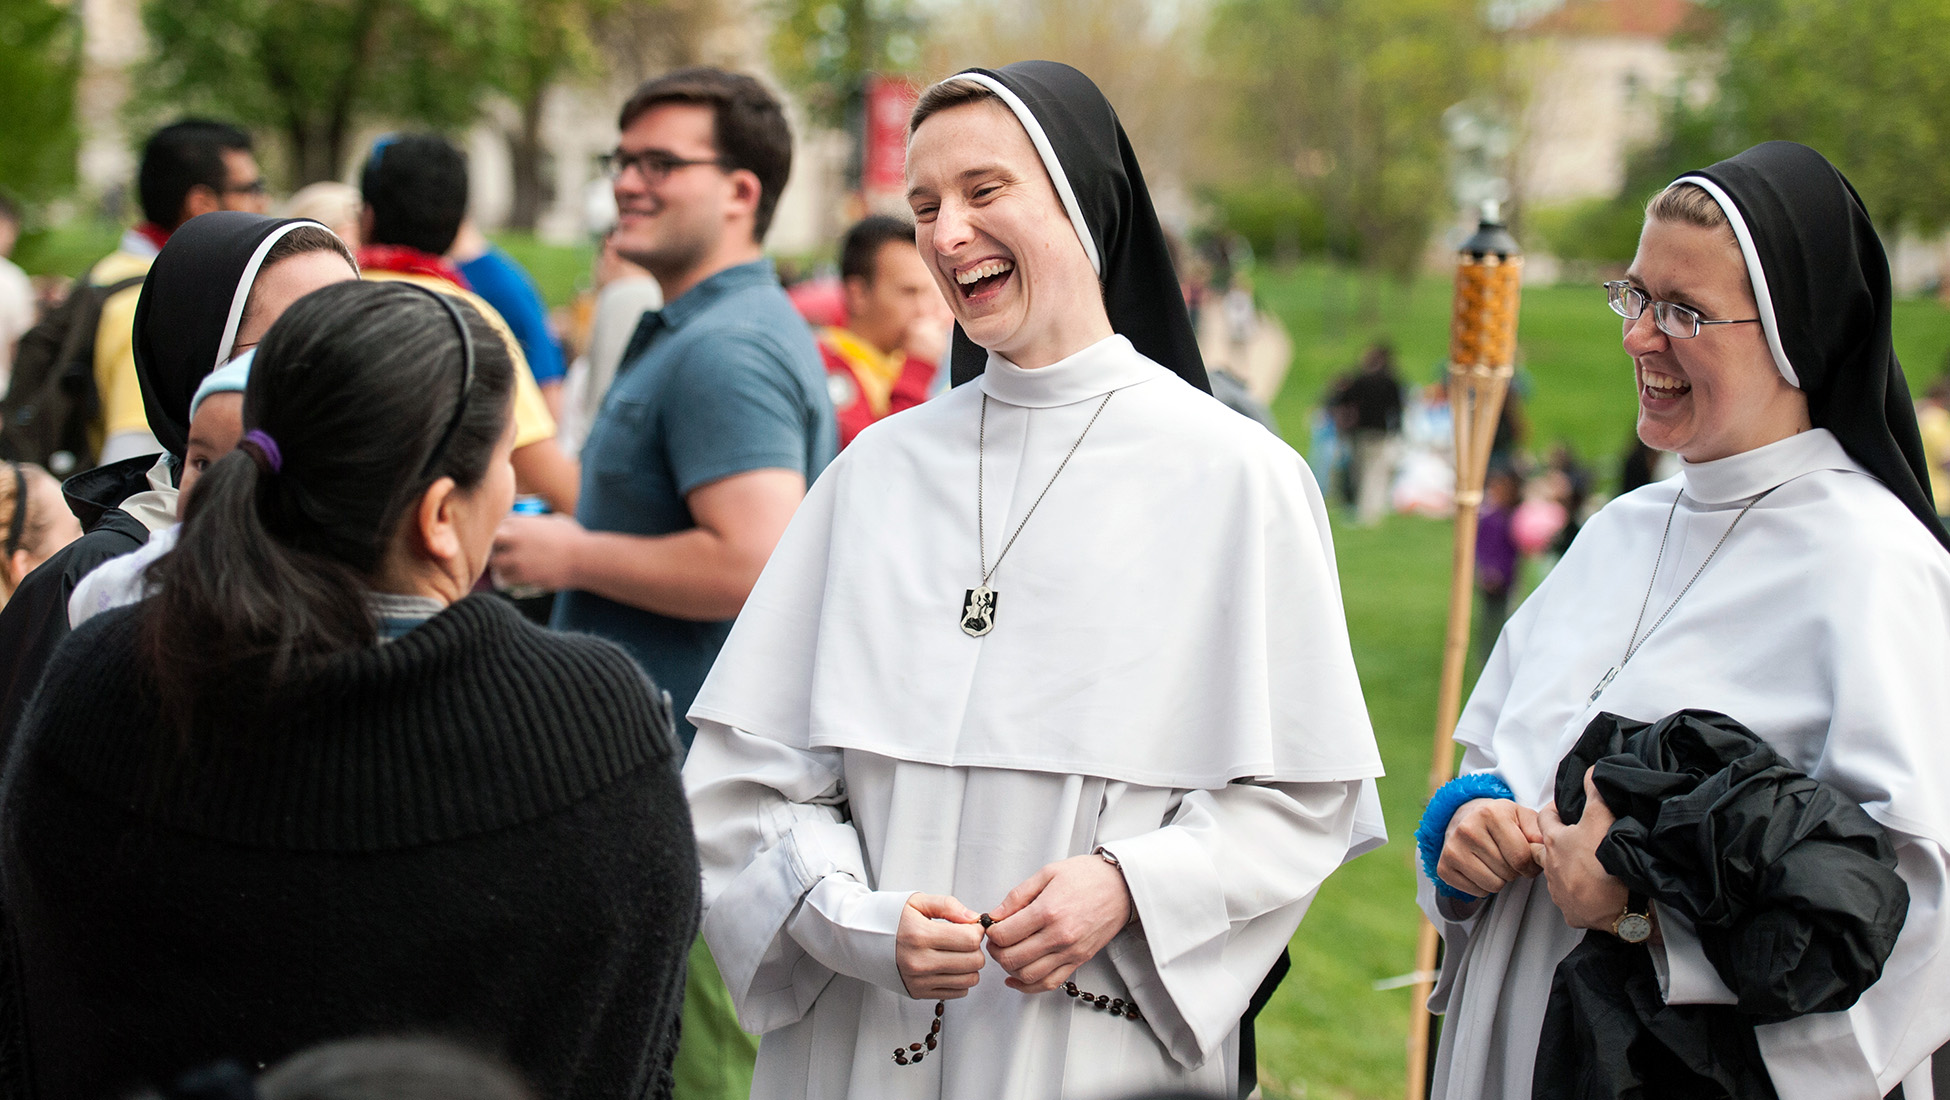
{"points": [[866, 386]]}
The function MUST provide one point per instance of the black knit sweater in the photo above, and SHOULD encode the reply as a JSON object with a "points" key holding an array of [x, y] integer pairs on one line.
{"points": [[476, 831]]}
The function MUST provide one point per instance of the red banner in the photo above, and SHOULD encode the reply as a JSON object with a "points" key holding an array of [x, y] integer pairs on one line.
{"points": [[883, 168]]}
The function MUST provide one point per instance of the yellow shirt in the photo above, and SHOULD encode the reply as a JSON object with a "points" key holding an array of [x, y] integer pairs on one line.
{"points": [[115, 377], [876, 373], [532, 420]]}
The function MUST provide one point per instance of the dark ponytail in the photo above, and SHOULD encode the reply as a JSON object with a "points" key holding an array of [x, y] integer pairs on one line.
{"points": [[358, 388]]}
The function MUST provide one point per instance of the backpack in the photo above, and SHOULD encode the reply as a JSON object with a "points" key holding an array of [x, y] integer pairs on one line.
{"points": [[52, 402]]}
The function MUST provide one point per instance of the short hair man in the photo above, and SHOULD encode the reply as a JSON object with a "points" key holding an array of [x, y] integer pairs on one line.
{"points": [[188, 168], [415, 189], [885, 358], [1064, 644], [715, 425]]}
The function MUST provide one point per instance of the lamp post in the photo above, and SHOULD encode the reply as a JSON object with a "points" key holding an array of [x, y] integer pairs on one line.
{"points": [[1482, 357]]}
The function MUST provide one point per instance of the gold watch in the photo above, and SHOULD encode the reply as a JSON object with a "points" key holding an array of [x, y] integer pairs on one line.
{"points": [[1634, 925]]}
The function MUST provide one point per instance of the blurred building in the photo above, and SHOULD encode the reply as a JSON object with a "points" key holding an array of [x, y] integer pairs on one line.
{"points": [[1598, 72]]}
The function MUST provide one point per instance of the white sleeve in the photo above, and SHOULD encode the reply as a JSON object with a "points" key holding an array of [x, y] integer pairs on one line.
{"points": [[1866, 1050], [1218, 892], [786, 891], [1686, 977]]}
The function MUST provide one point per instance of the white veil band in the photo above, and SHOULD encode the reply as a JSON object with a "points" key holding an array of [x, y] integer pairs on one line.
{"points": [[1755, 273]]}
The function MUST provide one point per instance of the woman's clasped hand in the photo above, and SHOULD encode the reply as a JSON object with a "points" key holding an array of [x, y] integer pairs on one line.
{"points": [[1052, 923]]}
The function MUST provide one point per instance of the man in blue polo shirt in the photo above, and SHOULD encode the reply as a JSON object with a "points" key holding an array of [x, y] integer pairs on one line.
{"points": [[715, 424], [719, 418]]}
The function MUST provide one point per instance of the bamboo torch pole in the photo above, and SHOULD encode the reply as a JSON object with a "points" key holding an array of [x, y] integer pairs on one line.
{"points": [[1482, 356]]}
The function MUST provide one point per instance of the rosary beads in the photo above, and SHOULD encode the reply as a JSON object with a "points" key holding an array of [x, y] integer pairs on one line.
{"points": [[913, 1053]]}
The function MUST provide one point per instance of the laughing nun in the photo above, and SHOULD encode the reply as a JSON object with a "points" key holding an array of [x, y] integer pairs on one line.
{"points": [[1041, 728]]}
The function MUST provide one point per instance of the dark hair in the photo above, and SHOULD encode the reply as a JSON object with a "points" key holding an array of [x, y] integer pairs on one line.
{"points": [[747, 125], [298, 242], [860, 249], [357, 385], [391, 1069], [180, 156], [416, 187]]}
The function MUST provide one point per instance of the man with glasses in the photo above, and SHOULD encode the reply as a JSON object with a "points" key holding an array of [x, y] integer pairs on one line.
{"points": [[188, 168], [716, 423]]}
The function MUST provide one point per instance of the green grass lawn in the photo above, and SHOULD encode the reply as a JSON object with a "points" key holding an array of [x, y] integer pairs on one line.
{"points": [[1328, 1033]]}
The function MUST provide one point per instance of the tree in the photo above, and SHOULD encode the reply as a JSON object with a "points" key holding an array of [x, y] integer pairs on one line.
{"points": [[40, 64], [825, 50], [541, 43], [309, 69], [1343, 99], [1865, 82]]}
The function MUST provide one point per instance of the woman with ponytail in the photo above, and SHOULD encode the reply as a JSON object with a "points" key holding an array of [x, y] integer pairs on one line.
{"points": [[312, 788]]}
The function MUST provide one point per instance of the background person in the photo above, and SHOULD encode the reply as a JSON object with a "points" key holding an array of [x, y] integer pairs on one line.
{"points": [[415, 189], [215, 290], [885, 357], [1793, 577], [312, 788], [34, 523], [189, 168]]}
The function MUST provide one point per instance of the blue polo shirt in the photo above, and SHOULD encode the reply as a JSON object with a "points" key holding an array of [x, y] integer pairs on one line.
{"points": [[724, 380]]}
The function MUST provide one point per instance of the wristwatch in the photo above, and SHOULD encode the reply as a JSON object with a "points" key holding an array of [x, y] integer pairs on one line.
{"points": [[1634, 925]]}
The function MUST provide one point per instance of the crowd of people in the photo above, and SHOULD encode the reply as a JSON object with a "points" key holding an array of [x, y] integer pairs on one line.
{"points": [[784, 798]]}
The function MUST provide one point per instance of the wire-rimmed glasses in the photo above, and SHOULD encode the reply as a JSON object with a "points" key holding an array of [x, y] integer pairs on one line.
{"points": [[1677, 321]]}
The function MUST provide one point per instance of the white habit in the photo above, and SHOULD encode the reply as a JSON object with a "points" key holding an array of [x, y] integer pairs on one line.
{"points": [[1168, 676], [1823, 625]]}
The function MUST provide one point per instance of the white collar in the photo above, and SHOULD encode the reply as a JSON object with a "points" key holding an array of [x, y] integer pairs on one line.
{"points": [[1109, 364], [1749, 473]]}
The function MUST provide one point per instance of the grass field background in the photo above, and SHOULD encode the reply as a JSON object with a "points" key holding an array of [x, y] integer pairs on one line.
{"points": [[1328, 1033]]}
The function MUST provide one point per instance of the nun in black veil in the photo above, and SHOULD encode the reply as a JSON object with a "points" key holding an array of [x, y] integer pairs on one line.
{"points": [[1041, 728], [1792, 578]]}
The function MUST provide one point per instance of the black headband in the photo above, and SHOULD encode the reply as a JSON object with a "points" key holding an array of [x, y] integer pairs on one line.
{"points": [[466, 376], [17, 526]]}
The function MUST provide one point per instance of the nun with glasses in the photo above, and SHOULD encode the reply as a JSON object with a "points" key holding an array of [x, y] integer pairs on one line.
{"points": [[1041, 728], [1793, 578]]}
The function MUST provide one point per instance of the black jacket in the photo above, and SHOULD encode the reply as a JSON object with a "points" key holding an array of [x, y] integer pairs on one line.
{"points": [[1791, 886], [476, 831], [36, 618]]}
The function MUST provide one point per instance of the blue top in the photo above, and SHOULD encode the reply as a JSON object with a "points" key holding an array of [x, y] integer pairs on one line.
{"points": [[724, 380], [505, 284]]}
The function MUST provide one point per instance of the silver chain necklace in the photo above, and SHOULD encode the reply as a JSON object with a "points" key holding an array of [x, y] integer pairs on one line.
{"points": [[978, 604], [1636, 642]]}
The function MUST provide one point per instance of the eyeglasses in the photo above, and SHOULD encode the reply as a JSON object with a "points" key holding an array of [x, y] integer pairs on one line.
{"points": [[254, 187], [1677, 321], [655, 165]]}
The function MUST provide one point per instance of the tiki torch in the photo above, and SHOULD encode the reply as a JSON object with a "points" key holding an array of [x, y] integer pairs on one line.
{"points": [[1482, 357]]}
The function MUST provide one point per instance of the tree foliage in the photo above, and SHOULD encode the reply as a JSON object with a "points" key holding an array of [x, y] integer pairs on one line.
{"points": [[311, 69], [825, 49], [1343, 99], [40, 63], [1866, 82]]}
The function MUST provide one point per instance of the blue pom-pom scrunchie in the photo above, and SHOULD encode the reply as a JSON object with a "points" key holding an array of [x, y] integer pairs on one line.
{"points": [[1435, 821]]}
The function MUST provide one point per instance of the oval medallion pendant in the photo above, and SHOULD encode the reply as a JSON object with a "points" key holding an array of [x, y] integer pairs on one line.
{"points": [[978, 611]]}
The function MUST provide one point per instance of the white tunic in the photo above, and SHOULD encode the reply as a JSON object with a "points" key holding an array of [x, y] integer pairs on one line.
{"points": [[1168, 676], [1823, 625]]}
